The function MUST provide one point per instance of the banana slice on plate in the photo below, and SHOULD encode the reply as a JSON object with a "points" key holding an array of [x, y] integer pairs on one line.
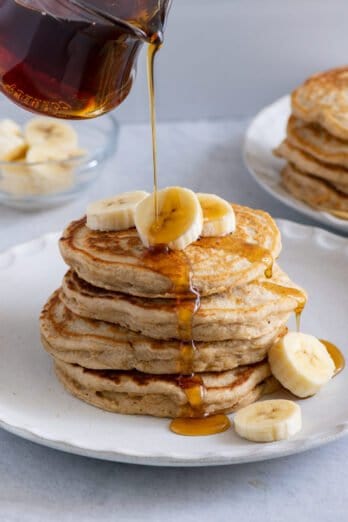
{"points": [[116, 213], [268, 421], [12, 147], [179, 221], [301, 363], [39, 131], [218, 216]]}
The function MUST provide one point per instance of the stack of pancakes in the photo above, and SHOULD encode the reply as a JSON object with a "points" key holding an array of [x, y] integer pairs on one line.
{"points": [[133, 331], [316, 146]]}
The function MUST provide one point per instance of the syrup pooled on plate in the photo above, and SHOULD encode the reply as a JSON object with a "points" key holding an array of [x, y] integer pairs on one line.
{"points": [[201, 426], [336, 355]]}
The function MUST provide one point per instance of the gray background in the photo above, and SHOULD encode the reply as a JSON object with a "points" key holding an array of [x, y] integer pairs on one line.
{"points": [[223, 58], [267, 46]]}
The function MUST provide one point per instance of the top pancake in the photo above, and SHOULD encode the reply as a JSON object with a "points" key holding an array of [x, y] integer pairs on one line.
{"points": [[118, 260], [323, 99]]}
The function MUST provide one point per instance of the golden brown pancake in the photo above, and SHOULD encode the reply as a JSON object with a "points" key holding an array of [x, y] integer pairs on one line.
{"points": [[118, 261], [116, 327], [164, 395], [100, 345], [314, 191], [336, 175], [323, 99], [316, 141], [242, 313]]}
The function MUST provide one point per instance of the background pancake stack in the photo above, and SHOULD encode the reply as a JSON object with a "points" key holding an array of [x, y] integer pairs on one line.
{"points": [[169, 333], [316, 146]]}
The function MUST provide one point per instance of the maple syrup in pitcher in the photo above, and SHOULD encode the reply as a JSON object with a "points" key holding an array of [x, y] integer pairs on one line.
{"points": [[74, 58]]}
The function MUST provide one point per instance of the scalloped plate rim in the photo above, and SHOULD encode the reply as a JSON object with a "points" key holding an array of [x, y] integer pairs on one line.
{"points": [[158, 458], [281, 194]]}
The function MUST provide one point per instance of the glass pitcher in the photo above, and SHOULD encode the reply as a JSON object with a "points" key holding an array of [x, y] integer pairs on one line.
{"points": [[74, 58]]}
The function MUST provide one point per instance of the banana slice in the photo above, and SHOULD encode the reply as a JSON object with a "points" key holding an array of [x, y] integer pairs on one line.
{"points": [[218, 216], [301, 363], [12, 144], [17, 180], [52, 168], [115, 213], [10, 127], [52, 160], [12, 147], [39, 131], [179, 221], [21, 180], [268, 421]]}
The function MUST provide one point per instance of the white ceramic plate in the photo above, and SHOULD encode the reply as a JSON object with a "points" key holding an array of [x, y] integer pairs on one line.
{"points": [[35, 406], [265, 132]]}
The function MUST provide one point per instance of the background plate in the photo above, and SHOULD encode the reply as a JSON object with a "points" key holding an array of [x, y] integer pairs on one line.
{"points": [[35, 406], [265, 132]]}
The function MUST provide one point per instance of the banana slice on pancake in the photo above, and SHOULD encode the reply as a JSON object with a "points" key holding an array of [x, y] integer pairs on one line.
{"points": [[116, 213], [301, 363], [218, 216], [174, 216], [178, 223], [268, 421]]}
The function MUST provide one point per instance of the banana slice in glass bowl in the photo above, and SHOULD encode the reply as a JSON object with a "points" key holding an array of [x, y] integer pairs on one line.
{"points": [[46, 162]]}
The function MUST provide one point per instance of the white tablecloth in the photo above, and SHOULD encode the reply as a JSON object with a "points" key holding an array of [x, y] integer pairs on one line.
{"points": [[42, 485]]}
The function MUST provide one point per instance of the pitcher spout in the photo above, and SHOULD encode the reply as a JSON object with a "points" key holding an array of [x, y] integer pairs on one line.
{"points": [[145, 19]]}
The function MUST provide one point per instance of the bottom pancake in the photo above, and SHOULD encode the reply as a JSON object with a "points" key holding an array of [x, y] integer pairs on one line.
{"points": [[315, 192], [164, 395], [104, 346]]}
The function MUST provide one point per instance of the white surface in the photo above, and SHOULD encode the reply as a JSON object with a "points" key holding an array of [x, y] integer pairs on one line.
{"points": [[266, 131], [34, 405], [223, 58], [42, 485]]}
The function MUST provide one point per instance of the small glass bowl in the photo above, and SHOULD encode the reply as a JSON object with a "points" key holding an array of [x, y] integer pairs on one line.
{"points": [[97, 137]]}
